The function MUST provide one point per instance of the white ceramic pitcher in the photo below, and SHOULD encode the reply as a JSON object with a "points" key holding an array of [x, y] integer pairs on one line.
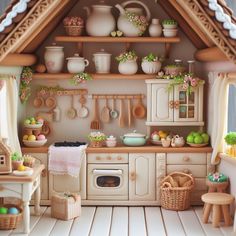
{"points": [[100, 21], [125, 25]]}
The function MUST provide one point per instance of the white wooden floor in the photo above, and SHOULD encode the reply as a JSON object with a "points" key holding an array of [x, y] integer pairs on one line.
{"points": [[122, 221]]}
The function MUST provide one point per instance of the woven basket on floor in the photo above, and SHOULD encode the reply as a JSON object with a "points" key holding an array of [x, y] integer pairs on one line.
{"points": [[74, 30], [10, 221], [176, 198]]}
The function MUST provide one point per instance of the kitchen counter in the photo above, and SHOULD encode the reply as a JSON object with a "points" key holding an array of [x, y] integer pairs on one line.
{"points": [[125, 149]]}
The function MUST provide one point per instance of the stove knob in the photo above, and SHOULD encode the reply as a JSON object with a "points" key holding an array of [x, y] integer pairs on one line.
{"points": [[119, 158], [98, 158], [109, 158]]}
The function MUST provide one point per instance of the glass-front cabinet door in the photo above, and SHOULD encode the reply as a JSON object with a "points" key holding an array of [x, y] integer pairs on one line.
{"points": [[185, 105]]}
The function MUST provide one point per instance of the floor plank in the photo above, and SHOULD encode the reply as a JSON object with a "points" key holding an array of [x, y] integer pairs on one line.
{"points": [[137, 225], [82, 224], [45, 224], [191, 223], [102, 222], [119, 224], [227, 231], [208, 229], [172, 223], [154, 221], [33, 221], [62, 228]]}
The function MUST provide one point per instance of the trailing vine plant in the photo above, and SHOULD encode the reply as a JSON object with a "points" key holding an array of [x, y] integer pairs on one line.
{"points": [[79, 78]]}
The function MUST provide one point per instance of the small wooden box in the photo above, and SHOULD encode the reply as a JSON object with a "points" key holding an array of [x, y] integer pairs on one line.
{"points": [[65, 206]]}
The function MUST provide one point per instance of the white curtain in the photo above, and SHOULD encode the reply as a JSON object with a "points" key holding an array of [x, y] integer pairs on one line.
{"points": [[219, 96], [10, 120]]}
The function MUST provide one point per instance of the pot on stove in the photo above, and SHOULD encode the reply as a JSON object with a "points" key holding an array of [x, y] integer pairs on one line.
{"points": [[134, 139]]}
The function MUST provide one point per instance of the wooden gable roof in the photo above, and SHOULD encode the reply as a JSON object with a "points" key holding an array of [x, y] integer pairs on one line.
{"points": [[209, 24]]}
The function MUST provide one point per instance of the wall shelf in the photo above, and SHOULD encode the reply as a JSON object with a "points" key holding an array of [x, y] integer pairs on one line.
{"points": [[64, 76], [127, 40]]}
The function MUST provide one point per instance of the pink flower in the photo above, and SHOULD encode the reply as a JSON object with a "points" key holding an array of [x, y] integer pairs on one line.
{"points": [[185, 86], [143, 19], [194, 82]]}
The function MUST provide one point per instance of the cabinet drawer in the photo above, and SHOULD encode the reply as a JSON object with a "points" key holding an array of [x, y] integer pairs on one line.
{"points": [[198, 171], [108, 158], [186, 158]]}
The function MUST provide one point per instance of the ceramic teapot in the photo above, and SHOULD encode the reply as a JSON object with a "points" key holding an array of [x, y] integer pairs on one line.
{"points": [[177, 141], [132, 22], [76, 64], [100, 21]]}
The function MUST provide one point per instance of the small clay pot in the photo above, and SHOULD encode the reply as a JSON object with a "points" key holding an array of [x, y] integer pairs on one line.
{"points": [[16, 164]]}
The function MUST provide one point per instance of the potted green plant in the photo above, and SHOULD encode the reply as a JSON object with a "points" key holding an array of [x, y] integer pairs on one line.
{"points": [[151, 64], [17, 160], [230, 139], [96, 139], [170, 27], [127, 63]]}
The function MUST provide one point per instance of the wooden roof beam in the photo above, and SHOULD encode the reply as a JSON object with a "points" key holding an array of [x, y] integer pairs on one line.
{"points": [[14, 59], [210, 55]]}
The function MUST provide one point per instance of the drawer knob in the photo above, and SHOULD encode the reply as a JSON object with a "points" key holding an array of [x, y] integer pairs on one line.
{"points": [[109, 158], [98, 158], [132, 176], [186, 159], [119, 158], [186, 171]]}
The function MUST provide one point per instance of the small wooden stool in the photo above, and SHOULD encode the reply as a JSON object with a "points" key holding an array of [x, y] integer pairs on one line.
{"points": [[219, 202], [217, 186]]}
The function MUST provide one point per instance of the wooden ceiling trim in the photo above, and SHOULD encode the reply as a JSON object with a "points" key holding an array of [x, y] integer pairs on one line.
{"points": [[46, 28], [39, 12], [14, 59], [198, 35], [201, 18]]}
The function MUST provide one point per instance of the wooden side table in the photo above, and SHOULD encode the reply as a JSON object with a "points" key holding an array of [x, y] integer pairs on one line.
{"points": [[23, 187]]}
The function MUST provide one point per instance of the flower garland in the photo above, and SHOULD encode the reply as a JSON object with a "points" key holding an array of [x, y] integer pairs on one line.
{"points": [[25, 79], [187, 81], [127, 56], [79, 78], [140, 22]]}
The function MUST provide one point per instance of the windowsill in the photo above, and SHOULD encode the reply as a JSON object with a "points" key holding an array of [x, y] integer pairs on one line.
{"points": [[225, 157]]}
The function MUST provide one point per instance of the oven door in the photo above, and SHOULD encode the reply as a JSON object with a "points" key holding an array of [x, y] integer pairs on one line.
{"points": [[108, 181]]}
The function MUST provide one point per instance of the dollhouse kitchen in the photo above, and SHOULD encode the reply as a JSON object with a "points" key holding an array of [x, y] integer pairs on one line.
{"points": [[117, 117]]}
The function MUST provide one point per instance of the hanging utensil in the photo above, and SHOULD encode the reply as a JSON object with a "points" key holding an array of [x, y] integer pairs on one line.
{"points": [[105, 113], [95, 124], [122, 115], [129, 113], [83, 111], [113, 113], [71, 113], [139, 110]]}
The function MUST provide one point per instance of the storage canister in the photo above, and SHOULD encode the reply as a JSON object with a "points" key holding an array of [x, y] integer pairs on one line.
{"points": [[102, 61]]}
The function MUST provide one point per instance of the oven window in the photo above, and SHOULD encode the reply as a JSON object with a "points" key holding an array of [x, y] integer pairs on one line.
{"points": [[108, 181]]}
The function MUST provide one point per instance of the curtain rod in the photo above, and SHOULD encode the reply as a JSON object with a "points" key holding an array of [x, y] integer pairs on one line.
{"points": [[230, 75]]}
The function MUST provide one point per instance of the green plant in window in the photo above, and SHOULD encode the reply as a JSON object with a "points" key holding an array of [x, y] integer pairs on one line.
{"points": [[230, 138]]}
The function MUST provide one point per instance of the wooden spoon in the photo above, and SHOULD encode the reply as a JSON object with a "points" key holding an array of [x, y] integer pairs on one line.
{"points": [[122, 115], [95, 124], [129, 113], [105, 113], [139, 110], [72, 113]]}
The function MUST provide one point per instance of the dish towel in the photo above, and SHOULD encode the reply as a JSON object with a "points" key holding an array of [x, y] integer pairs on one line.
{"points": [[66, 160]]}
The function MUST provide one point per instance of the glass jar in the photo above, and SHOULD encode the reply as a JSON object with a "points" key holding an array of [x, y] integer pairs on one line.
{"points": [[191, 65]]}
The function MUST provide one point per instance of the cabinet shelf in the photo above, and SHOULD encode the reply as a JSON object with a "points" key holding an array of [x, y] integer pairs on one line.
{"points": [[65, 76]]}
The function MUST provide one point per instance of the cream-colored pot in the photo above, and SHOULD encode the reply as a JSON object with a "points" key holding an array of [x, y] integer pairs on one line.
{"points": [[54, 59], [102, 61], [76, 64], [127, 27], [100, 21], [151, 67], [129, 67]]}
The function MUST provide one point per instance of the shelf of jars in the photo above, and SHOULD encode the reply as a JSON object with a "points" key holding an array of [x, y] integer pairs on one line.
{"points": [[65, 76]]}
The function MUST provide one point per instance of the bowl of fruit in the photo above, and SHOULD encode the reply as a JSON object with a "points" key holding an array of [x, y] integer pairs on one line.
{"points": [[34, 141], [197, 139], [156, 137], [33, 123]]}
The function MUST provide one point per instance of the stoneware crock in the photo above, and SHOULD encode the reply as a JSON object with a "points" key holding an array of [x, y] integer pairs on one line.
{"points": [[134, 139], [76, 64]]}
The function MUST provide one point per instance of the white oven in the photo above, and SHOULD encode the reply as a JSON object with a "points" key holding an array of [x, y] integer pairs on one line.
{"points": [[107, 179]]}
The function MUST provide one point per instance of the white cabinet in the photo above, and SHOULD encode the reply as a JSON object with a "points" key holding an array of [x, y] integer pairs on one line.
{"points": [[142, 176], [174, 106], [67, 183], [42, 158]]}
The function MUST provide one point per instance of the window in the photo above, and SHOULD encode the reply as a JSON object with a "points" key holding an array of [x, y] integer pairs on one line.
{"points": [[232, 109], [3, 113]]}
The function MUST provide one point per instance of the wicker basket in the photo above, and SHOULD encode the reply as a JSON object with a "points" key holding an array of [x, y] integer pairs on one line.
{"points": [[96, 144], [74, 30], [176, 198], [10, 221]]}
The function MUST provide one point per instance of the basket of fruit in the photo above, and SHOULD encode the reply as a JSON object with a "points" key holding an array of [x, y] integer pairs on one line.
{"points": [[34, 141], [73, 25], [157, 136], [97, 139], [197, 139], [10, 216], [33, 123]]}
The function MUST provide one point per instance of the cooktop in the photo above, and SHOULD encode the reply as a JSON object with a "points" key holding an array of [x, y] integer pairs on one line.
{"points": [[69, 144]]}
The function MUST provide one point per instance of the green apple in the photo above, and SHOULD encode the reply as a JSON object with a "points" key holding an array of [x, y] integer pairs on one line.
{"points": [[190, 138], [198, 139], [205, 137], [195, 134], [156, 137], [3, 210], [27, 122]]}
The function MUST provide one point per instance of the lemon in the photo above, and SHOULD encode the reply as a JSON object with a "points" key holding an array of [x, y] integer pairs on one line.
{"points": [[21, 168]]}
